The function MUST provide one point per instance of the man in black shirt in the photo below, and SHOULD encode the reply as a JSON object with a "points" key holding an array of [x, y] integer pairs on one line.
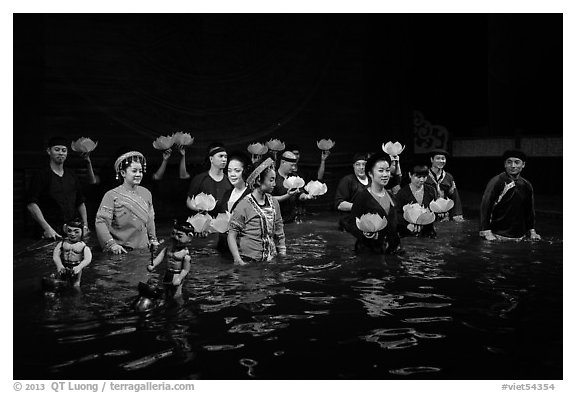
{"points": [[54, 195]]}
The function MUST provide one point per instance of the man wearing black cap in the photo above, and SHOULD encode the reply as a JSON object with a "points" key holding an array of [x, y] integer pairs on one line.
{"points": [[54, 195], [507, 208], [444, 183]]}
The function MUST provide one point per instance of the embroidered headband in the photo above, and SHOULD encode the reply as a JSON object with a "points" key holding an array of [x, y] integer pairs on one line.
{"points": [[130, 157], [216, 150], [259, 169]]}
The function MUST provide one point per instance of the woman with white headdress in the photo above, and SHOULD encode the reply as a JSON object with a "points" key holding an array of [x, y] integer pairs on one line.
{"points": [[125, 218], [256, 230]]}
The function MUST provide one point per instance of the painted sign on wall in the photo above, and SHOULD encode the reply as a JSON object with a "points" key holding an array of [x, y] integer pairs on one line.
{"points": [[428, 136]]}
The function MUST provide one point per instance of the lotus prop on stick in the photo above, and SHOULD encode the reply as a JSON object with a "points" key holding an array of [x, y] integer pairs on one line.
{"points": [[293, 182], [83, 145], [316, 188], [275, 145], [203, 202], [182, 139], [418, 214], [441, 205], [220, 223], [325, 144], [393, 149], [257, 150], [163, 142], [371, 222], [200, 222]]}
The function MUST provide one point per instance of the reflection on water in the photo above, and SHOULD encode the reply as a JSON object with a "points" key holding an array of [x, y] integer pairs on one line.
{"points": [[453, 307]]}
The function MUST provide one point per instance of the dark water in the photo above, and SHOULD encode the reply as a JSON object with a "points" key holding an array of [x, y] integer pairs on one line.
{"points": [[451, 308]]}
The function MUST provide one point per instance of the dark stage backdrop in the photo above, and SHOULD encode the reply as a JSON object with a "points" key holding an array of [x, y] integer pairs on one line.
{"points": [[127, 79]]}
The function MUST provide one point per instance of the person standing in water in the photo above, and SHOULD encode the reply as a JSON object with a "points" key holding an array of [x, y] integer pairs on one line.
{"points": [[125, 218], [444, 182], [376, 199], [212, 182], [507, 207], [419, 192], [55, 196], [348, 187], [256, 230], [237, 171]]}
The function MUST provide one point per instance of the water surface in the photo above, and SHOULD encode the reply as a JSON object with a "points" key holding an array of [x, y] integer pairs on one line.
{"points": [[454, 307]]}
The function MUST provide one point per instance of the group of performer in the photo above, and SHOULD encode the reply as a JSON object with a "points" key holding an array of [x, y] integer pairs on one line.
{"points": [[374, 206]]}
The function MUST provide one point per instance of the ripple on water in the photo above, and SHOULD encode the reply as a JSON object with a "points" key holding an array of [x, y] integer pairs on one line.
{"points": [[257, 329], [250, 364], [398, 338], [414, 370], [146, 360], [223, 347], [428, 319]]}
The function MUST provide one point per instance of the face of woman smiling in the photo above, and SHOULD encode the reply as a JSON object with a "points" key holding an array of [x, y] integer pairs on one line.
{"points": [[235, 169], [133, 174], [380, 173]]}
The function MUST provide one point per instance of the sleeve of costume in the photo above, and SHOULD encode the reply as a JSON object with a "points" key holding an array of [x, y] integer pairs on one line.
{"points": [[391, 230], [358, 209], [394, 181], [401, 200], [457, 209], [151, 225], [453, 194], [530, 214], [279, 227], [342, 192], [103, 220], [488, 199], [37, 184], [238, 220]]}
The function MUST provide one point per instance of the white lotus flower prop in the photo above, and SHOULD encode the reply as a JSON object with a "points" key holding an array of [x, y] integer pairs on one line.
{"points": [[325, 144], [220, 223], [200, 222], [163, 142], [293, 182], [83, 145], [182, 139], [315, 188], [417, 214], [371, 222], [257, 148], [204, 202], [275, 145], [441, 205], [393, 149]]}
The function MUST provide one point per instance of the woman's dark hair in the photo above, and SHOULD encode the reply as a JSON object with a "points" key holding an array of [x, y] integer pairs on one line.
{"points": [[418, 168], [374, 158], [241, 157]]}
